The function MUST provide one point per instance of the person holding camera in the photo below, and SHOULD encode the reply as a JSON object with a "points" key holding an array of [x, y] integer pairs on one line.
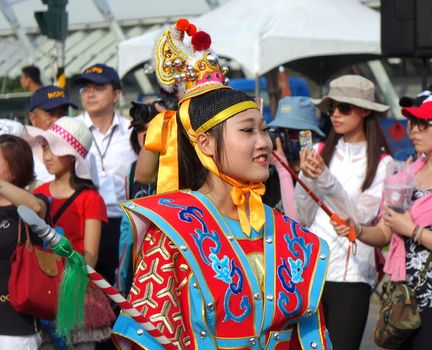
{"points": [[141, 114], [148, 161], [295, 115]]}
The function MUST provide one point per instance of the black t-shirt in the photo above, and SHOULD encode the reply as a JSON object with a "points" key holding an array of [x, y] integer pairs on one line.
{"points": [[11, 322]]}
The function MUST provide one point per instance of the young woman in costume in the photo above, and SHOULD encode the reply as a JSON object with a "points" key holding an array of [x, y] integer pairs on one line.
{"points": [[347, 172], [77, 208], [411, 243], [216, 268], [17, 331]]}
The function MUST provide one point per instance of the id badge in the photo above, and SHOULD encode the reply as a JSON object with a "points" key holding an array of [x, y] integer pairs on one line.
{"points": [[107, 190]]}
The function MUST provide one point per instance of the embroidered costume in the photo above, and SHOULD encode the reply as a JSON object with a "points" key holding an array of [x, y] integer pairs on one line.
{"points": [[204, 281], [197, 284]]}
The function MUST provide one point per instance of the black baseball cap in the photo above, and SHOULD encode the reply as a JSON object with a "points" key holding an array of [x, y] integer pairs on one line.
{"points": [[50, 97], [99, 74], [406, 101]]}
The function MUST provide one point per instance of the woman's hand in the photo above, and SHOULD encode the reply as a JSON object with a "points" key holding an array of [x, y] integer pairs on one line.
{"points": [[159, 107], [401, 223], [342, 230], [311, 163]]}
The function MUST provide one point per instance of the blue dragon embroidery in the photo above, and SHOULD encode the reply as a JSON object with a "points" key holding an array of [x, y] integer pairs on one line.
{"points": [[221, 267], [209, 246], [296, 268], [290, 270]]}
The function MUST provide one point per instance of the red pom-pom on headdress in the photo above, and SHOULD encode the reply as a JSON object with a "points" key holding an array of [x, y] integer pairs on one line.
{"points": [[201, 41], [182, 24], [191, 64], [191, 30]]}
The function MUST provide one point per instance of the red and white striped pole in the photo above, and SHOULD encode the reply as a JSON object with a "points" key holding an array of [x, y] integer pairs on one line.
{"points": [[62, 246], [127, 307]]}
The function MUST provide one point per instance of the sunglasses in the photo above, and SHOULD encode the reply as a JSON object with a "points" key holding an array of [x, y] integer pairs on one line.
{"points": [[422, 124], [343, 108]]}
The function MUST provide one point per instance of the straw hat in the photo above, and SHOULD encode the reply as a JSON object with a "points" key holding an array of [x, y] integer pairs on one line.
{"points": [[67, 136], [352, 89]]}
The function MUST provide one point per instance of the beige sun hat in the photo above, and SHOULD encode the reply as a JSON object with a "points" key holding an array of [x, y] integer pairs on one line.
{"points": [[67, 136], [352, 89]]}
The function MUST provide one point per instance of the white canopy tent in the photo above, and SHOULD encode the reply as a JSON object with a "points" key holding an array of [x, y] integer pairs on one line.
{"points": [[261, 34]]}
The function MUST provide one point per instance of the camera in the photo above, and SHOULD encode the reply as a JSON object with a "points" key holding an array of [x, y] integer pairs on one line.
{"points": [[167, 103], [290, 147], [275, 133], [142, 113]]}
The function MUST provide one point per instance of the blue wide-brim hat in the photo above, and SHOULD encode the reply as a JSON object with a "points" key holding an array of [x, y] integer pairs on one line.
{"points": [[297, 112]]}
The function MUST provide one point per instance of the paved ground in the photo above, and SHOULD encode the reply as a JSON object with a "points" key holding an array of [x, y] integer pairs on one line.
{"points": [[367, 342]]}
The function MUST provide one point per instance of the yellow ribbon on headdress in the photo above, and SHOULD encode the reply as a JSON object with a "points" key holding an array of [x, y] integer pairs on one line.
{"points": [[242, 195], [161, 137]]}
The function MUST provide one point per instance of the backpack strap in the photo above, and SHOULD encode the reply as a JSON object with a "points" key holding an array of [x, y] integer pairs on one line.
{"points": [[59, 212]]}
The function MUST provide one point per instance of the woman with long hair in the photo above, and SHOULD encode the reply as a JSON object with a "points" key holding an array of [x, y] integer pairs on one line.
{"points": [[76, 208], [411, 241], [17, 331], [215, 268], [347, 172], [141, 114]]}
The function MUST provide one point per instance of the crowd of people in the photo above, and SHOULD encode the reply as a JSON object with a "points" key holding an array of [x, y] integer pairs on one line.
{"points": [[170, 207]]}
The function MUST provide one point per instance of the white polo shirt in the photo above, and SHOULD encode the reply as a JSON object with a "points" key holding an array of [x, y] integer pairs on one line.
{"points": [[113, 154]]}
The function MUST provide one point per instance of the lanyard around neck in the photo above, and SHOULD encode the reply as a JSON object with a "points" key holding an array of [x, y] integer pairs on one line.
{"points": [[103, 154]]}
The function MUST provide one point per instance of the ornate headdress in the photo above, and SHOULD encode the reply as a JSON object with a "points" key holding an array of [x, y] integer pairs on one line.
{"points": [[197, 69]]}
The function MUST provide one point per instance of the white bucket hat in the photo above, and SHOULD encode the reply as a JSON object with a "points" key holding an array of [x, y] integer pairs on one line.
{"points": [[67, 136], [352, 89]]}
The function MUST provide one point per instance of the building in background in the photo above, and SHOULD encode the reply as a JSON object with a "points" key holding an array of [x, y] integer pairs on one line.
{"points": [[96, 27]]}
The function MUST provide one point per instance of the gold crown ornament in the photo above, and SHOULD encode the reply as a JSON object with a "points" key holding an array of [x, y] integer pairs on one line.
{"points": [[195, 67]]}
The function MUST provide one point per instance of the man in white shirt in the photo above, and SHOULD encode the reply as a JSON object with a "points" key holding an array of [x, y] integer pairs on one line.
{"points": [[100, 92], [47, 104]]}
